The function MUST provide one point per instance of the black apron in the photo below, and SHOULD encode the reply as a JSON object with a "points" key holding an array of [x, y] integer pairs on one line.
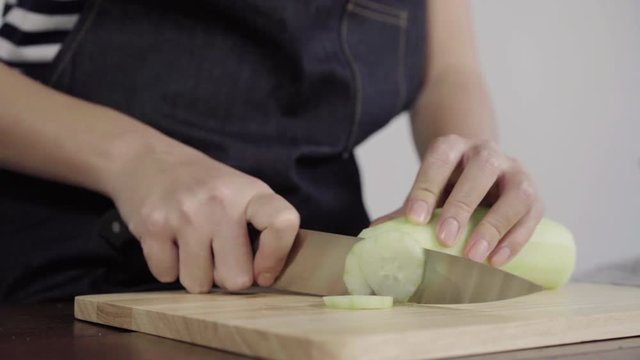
{"points": [[281, 90]]}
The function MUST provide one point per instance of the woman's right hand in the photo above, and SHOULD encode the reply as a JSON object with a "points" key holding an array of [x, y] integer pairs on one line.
{"points": [[190, 214], [188, 211]]}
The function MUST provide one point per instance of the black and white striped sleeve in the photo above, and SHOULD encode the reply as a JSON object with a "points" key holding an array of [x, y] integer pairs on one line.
{"points": [[32, 31]]}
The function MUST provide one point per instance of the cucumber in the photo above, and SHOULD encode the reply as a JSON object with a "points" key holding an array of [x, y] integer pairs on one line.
{"points": [[387, 260], [392, 263], [358, 302], [353, 275]]}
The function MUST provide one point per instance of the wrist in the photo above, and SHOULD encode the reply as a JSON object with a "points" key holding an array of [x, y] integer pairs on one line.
{"points": [[453, 103], [129, 142]]}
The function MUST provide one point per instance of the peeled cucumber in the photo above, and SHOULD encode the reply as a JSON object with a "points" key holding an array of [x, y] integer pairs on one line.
{"points": [[386, 263], [358, 302], [392, 264], [353, 276]]}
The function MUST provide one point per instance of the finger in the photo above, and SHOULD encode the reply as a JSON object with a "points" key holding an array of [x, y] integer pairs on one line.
{"points": [[517, 236], [481, 172], [196, 260], [232, 251], [516, 201], [278, 222], [439, 162], [162, 258]]}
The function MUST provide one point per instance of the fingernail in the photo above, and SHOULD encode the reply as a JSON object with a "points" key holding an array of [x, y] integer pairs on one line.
{"points": [[449, 231], [265, 279], [418, 211], [501, 256], [479, 250]]}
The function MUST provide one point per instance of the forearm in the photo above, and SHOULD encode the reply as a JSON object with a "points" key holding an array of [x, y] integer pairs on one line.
{"points": [[453, 101], [48, 134]]}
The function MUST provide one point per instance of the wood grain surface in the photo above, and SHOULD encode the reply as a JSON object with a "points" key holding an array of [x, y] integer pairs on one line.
{"points": [[280, 326]]}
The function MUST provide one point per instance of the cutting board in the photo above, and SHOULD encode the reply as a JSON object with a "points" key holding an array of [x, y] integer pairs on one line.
{"points": [[281, 326]]}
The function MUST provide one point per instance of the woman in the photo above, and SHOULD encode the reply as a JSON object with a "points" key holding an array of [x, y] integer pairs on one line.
{"points": [[194, 119]]}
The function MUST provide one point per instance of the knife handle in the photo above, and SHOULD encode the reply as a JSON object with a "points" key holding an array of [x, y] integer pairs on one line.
{"points": [[113, 228]]}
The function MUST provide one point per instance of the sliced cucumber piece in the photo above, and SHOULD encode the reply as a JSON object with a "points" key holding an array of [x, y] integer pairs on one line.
{"points": [[358, 302], [391, 263]]}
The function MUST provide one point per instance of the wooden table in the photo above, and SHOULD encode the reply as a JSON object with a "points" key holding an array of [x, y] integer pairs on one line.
{"points": [[49, 331]]}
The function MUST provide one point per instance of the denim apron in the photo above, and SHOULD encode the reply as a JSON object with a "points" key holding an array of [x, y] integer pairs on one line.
{"points": [[281, 90]]}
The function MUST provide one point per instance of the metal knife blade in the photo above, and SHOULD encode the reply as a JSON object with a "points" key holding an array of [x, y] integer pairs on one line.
{"points": [[449, 279], [315, 264]]}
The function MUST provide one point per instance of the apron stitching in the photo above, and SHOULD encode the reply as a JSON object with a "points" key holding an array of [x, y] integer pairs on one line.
{"points": [[358, 84], [391, 19], [402, 77], [399, 18], [388, 9], [76, 41]]}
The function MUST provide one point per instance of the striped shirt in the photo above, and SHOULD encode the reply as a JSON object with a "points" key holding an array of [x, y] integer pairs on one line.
{"points": [[32, 31]]}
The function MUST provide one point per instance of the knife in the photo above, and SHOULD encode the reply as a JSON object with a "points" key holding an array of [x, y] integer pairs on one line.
{"points": [[315, 266], [449, 279]]}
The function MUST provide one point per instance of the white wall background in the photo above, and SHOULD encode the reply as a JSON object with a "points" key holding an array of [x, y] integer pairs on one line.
{"points": [[565, 79]]}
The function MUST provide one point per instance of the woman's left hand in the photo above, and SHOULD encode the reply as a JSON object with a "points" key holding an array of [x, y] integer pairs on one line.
{"points": [[463, 174]]}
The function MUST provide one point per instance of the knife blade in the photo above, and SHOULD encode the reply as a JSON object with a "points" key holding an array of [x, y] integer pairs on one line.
{"points": [[315, 266], [449, 279]]}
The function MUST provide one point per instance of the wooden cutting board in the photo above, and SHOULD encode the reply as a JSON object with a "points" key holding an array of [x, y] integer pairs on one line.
{"points": [[279, 326]]}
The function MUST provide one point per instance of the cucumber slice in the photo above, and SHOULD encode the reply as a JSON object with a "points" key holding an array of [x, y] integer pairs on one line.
{"points": [[358, 302], [391, 263]]}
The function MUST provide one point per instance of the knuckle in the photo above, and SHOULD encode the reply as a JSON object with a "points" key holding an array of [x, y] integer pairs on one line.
{"points": [[261, 186], [424, 192], [183, 214], [495, 225], [491, 145], [452, 139], [527, 190], [219, 199], [516, 242], [443, 149], [515, 163], [489, 156], [461, 206], [221, 194], [185, 203], [286, 219], [153, 221]]}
